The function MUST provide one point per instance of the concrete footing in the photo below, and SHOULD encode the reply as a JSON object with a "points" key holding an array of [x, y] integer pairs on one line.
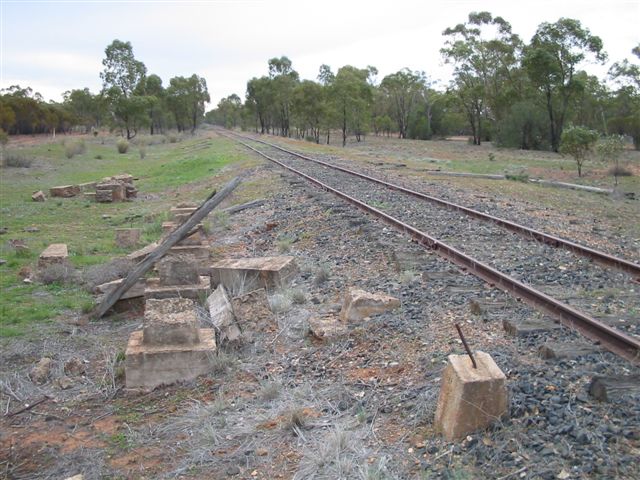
{"points": [[243, 275], [56, 253], [470, 398], [155, 290], [170, 347]]}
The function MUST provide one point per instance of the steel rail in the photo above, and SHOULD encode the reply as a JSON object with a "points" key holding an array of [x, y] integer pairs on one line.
{"points": [[600, 257], [613, 340]]}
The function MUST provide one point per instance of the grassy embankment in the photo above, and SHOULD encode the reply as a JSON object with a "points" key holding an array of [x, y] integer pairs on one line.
{"points": [[169, 173]]}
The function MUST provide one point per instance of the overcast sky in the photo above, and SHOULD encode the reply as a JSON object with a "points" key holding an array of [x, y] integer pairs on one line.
{"points": [[54, 46]]}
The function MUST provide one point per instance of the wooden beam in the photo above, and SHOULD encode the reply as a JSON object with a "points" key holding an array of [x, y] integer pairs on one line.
{"points": [[181, 232]]}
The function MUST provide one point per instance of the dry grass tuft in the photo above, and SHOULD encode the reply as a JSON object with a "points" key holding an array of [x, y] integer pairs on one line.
{"points": [[98, 274], [62, 274]]}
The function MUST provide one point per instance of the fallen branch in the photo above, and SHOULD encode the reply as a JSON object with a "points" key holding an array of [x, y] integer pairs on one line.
{"points": [[28, 406], [181, 232], [243, 206]]}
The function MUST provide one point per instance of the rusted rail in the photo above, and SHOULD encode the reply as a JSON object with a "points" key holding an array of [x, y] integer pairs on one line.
{"points": [[596, 255], [613, 340]]}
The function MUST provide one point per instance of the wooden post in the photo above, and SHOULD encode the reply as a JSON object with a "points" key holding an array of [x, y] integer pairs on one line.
{"points": [[145, 265]]}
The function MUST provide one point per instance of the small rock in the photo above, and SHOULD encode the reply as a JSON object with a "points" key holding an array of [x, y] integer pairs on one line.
{"points": [[233, 470], [262, 452], [31, 229], [41, 370], [105, 216], [2, 261], [38, 196], [3, 230]]}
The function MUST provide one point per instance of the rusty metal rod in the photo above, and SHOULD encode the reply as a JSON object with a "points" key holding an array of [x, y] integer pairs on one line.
{"points": [[612, 339], [552, 240], [466, 347]]}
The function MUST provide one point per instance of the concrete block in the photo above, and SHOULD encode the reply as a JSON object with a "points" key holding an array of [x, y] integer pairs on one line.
{"points": [[200, 254], [195, 292], [39, 196], [128, 237], [470, 398], [141, 254], [222, 315], [197, 237], [65, 191], [137, 290], [179, 215], [54, 253], [170, 321], [242, 275], [149, 366], [177, 270], [359, 304]]}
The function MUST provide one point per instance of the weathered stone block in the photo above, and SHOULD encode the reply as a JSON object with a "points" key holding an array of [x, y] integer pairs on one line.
{"points": [[170, 321], [149, 366], [65, 191], [245, 274], [326, 327], [137, 290], [141, 254], [178, 270], [195, 292], [222, 315], [470, 398], [127, 237], [359, 304], [38, 196], [91, 196], [87, 186], [179, 215], [117, 191], [196, 238], [54, 253], [200, 254]]}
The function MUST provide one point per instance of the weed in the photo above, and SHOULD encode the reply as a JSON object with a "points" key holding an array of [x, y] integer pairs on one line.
{"points": [[322, 276], [172, 138], [142, 150], [294, 420], [284, 244], [60, 273], [16, 160], [98, 157], [492, 157], [280, 303], [72, 149], [98, 274], [222, 363], [122, 145], [517, 177], [270, 391], [408, 277], [221, 218], [298, 297]]}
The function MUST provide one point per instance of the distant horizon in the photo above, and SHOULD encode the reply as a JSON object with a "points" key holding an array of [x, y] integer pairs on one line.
{"points": [[56, 46]]}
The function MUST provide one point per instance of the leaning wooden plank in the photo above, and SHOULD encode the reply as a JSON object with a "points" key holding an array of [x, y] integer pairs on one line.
{"points": [[145, 265]]}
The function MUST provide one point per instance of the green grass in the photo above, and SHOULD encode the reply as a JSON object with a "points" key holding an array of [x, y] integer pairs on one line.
{"points": [[166, 175]]}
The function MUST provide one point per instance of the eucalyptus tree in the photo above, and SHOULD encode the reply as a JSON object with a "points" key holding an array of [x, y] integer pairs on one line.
{"points": [[260, 99], [551, 61], [484, 53], [626, 102], [309, 108], [404, 89], [186, 98], [284, 81], [121, 77], [351, 93]]}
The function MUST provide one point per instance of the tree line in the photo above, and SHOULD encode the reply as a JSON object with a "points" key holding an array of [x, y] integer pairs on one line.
{"points": [[130, 101], [503, 90]]}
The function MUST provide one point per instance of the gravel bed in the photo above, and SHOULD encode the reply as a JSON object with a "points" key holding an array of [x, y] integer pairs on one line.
{"points": [[599, 291]]}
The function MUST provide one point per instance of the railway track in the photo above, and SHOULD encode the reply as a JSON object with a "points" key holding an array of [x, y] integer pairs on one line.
{"points": [[523, 262]]}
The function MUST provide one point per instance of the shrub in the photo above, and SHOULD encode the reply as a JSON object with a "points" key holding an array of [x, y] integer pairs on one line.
{"points": [[58, 273], [4, 138], [172, 138], [619, 171], [16, 160], [98, 274], [122, 145], [98, 157], [142, 150], [578, 142]]}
